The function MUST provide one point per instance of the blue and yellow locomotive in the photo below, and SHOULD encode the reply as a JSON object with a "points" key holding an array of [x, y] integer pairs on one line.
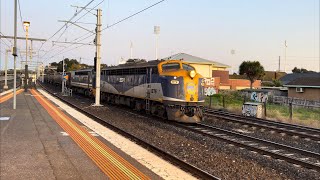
{"points": [[170, 89]]}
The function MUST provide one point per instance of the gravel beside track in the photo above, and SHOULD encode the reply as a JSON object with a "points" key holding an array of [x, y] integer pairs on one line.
{"points": [[289, 129], [301, 143], [216, 157]]}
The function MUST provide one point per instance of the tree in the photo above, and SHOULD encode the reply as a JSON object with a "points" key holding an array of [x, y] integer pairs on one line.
{"points": [[74, 67], [277, 82], [252, 69], [301, 70], [104, 66], [54, 64], [70, 64]]}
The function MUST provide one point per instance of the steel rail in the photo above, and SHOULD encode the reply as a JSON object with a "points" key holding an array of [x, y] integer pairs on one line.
{"points": [[293, 130], [300, 127], [172, 158], [222, 133]]}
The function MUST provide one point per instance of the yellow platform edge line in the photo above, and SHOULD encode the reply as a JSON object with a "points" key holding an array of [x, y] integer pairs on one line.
{"points": [[93, 143]]}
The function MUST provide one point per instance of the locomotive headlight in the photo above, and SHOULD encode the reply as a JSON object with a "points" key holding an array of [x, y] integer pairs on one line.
{"points": [[174, 82], [192, 73]]}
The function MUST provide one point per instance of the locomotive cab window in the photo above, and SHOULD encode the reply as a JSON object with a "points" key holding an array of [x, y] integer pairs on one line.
{"points": [[187, 67], [170, 67]]}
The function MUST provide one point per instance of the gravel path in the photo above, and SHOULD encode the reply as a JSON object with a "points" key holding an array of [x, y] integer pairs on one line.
{"points": [[216, 157]]}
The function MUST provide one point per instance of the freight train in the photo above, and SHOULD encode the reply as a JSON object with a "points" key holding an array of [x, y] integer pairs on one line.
{"points": [[170, 89]]}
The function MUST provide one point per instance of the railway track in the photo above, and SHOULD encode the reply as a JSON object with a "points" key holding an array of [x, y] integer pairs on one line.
{"points": [[9, 83], [290, 154], [289, 129], [179, 162]]}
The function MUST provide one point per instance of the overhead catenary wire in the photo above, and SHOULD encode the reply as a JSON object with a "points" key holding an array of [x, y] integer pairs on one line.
{"points": [[78, 37], [5, 43], [134, 14], [2, 52], [74, 22], [67, 23], [5, 39], [21, 16], [60, 53], [70, 20], [118, 22]]}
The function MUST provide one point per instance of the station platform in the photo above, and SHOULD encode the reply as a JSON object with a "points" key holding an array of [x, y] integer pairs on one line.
{"points": [[41, 141]]}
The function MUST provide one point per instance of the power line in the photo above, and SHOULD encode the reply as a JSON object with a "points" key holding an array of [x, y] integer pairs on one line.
{"points": [[21, 16], [75, 22], [122, 20], [5, 43], [70, 19], [60, 52], [134, 14], [129, 16], [65, 51], [66, 23], [5, 39]]}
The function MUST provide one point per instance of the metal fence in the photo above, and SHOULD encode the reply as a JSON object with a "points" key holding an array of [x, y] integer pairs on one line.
{"points": [[295, 101]]}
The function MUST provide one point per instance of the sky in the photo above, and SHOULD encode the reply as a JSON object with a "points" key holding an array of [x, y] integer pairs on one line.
{"points": [[211, 29]]}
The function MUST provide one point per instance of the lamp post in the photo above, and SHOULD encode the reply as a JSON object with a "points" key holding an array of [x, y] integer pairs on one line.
{"points": [[26, 25]]}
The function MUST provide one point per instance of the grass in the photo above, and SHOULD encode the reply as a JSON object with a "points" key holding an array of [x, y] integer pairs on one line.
{"points": [[233, 103]]}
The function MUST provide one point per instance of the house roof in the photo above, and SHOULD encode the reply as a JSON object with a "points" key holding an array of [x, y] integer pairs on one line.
{"points": [[313, 82], [194, 59], [270, 75], [293, 76]]}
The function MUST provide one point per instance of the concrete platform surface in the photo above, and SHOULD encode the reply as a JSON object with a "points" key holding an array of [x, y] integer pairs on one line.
{"points": [[34, 146]]}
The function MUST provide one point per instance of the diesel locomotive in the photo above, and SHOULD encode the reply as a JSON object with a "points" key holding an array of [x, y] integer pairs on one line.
{"points": [[170, 89]]}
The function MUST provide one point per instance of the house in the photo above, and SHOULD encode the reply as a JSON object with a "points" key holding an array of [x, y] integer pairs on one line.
{"points": [[239, 82], [293, 76], [307, 88], [203, 66], [269, 76]]}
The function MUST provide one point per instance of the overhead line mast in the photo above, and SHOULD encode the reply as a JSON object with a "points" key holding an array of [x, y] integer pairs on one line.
{"points": [[98, 68]]}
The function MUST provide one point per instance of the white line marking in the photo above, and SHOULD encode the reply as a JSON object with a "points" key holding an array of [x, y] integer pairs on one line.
{"points": [[4, 118], [64, 134]]}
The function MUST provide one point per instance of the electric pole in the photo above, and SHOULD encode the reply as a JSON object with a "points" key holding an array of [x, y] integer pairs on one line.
{"points": [[98, 45], [14, 53], [62, 83], [26, 24], [279, 64]]}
